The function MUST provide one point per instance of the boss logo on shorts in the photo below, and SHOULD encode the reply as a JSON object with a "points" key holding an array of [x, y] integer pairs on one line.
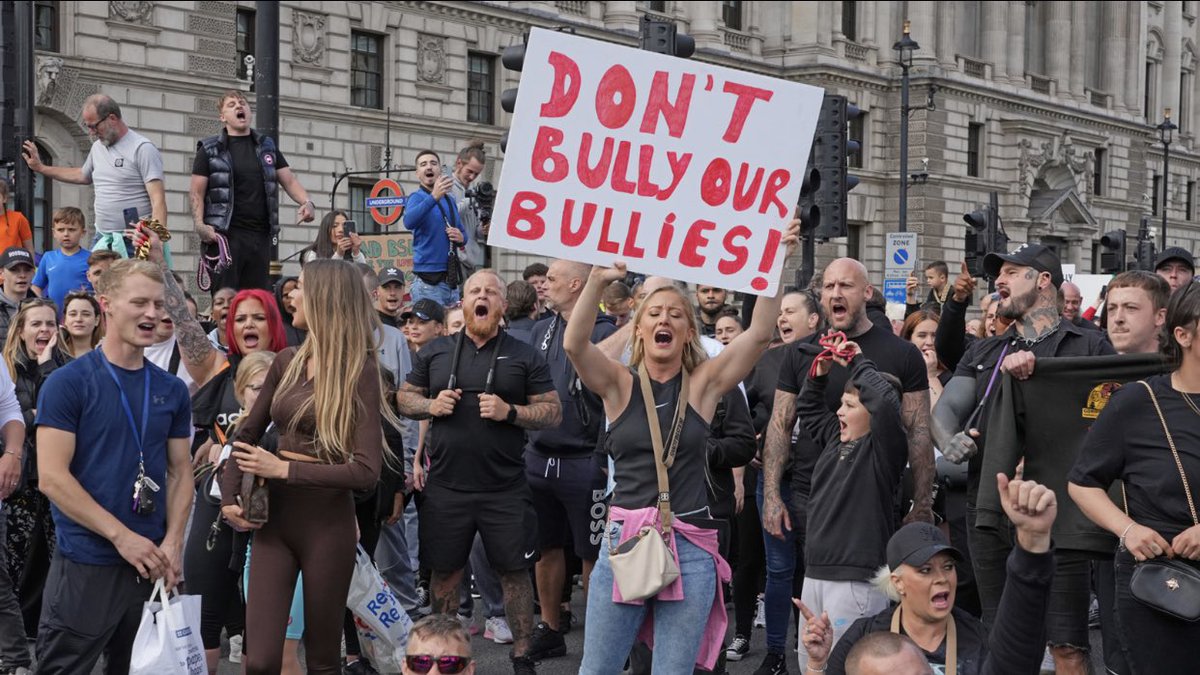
{"points": [[598, 513]]}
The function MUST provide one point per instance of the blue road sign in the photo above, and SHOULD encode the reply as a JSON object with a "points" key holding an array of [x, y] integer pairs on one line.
{"points": [[384, 202], [894, 290]]}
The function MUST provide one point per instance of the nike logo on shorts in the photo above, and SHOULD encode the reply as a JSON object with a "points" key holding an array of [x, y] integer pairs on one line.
{"points": [[530, 554]]}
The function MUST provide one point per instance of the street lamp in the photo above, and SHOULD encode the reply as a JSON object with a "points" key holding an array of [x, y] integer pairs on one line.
{"points": [[1164, 135], [905, 47]]}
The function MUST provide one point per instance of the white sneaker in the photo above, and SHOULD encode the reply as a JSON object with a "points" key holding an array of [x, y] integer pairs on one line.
{"points": [[235, 649], [760, 615], [496, 629]]}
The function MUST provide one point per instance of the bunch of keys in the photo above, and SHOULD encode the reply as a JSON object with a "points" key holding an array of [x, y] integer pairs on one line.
{"points": [[143, 493]]}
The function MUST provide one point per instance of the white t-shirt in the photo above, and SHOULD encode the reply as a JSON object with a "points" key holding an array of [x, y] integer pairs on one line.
{"points": [[160, 355], [119, 174]]}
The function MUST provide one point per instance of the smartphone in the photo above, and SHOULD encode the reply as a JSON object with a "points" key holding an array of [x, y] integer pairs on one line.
{"points": [[131, 216], [446, 170], [349, 227]]}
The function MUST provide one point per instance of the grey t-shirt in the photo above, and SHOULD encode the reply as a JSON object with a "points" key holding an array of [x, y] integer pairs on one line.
{"points": [[119, 174], [476, 240]]}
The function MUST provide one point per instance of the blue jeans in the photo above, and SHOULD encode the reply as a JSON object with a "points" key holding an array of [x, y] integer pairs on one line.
{"points": [[442, 294], [781, 568], [395, 564], [611, 628]]}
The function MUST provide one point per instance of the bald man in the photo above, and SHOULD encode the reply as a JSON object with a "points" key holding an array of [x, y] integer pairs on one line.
{"points": [[565, 475], [845, 291], [1072, 303], [887, 654]]}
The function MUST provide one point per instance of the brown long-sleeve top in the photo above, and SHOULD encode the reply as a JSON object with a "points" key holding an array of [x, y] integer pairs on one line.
{"points": [[361, 473]]}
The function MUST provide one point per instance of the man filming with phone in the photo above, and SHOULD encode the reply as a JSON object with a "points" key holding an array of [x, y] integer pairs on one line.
{"points": [[439, 238]]}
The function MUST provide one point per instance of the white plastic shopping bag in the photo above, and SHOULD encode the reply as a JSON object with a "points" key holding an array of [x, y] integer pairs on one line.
{"points": [[382, 623], [168, 639]]}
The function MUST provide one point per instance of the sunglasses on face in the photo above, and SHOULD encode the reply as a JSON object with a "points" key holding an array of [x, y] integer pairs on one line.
{"points": [[448, 665]]}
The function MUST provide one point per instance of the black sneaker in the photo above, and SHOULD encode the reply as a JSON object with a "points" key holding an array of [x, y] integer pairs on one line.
{"points": [[566, 621], [546, 643], [523, 665], [359, 667], [737, 649], [773, 664]]}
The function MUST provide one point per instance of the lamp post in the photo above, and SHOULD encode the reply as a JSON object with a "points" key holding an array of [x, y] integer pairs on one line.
{"points": [[905, 47], [1164, 135]]}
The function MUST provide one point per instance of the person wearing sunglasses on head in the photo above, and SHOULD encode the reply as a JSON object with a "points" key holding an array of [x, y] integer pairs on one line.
{"points": [[438, 644]]}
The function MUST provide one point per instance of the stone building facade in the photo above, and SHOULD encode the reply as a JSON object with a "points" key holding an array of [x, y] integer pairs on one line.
{"points": [[1050, 104]]}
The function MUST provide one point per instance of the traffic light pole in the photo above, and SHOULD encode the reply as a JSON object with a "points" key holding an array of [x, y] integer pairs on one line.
{"points": [[266, 81], [904, 147], [24, 115]]}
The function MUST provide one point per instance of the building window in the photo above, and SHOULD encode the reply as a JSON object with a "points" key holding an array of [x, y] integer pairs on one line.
{"points": [[1187, 196], [1098, 175], [366, 70], [45, 25], [858, 127], [245, 43], [850, 20], [1185, 102], [360, 190], [658, 6], [731, 13], [1155, 192], [974, 144], [481, 88], [1148, 95], [854, 236]]}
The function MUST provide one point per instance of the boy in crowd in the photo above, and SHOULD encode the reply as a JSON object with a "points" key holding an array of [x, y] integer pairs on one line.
{"points": [[65, 269], [618, 302], [97, 264]]}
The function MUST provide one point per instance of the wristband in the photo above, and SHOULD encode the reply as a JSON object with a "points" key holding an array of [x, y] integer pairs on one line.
{"points": [[819, 670], [511, 418], [1125, 532]]}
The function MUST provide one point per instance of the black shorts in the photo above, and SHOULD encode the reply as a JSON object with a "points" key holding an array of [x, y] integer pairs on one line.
{"points": [[505, 521], [250, 252], [568, 496]]}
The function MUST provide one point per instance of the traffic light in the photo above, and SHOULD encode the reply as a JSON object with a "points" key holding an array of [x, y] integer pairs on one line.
{"points": [[827, 176], [985, 234], [1112, 258], [1145, 253], [513, 58], [663, 37]]}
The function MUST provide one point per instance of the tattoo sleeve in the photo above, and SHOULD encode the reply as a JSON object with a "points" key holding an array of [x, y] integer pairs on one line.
{"points": [[413, 402], [542, 412], [779, 441], [197, 209], [518, 607], [915, 410], [194, 346]]}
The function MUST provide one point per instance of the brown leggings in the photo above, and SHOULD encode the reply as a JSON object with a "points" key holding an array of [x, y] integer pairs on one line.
{"points": [[309, 530]]}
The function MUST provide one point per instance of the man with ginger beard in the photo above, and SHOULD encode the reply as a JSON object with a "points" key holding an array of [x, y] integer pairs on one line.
{"points": [[432, 216], [488, 389]]}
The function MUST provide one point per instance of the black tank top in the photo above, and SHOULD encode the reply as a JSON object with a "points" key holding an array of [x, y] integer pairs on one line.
{"points": [[632, 451]]}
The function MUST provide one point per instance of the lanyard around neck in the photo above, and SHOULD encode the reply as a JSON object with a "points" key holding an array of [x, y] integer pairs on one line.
{"points": [[141, 438]]}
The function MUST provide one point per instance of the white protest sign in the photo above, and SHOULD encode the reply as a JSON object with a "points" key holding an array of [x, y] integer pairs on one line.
{"points": [[1090, 286], [677, 167]]}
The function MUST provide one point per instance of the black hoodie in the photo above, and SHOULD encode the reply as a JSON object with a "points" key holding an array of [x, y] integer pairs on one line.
{"points": [[294, 335]]}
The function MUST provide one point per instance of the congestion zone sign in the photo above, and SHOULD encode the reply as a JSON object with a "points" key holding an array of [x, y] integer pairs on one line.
{"points": [[386, 210]]}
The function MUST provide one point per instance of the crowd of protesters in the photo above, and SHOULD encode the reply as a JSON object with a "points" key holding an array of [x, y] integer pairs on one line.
{"points": [[882, 494]]}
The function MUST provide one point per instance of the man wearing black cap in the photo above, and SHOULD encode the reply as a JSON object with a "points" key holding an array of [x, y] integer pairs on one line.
{"points": [[1027, 281], [1176, 265], [18, 267], [389, 297]]}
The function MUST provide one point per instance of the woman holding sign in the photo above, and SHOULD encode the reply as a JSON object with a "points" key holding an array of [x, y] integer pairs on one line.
{"points": [[687, 618]]}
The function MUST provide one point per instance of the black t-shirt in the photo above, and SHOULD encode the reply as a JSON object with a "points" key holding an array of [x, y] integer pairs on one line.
{"points": [[1127, 443], [249, 191], [467, 452], [582, 411], [889, 353]]}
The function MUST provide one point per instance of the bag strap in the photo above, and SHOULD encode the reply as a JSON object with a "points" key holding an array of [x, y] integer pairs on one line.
{"points": [[1187, 489], [662, 463]]}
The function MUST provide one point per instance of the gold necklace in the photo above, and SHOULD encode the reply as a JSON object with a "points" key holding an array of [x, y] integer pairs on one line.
{"points": [[1188, 399]]}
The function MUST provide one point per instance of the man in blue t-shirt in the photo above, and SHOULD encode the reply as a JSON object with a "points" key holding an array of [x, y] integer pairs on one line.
{"points": [[432, 216], [113, 458]]}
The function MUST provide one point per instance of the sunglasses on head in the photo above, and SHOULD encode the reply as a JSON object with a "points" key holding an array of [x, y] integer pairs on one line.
{"points": [[448, 665]]}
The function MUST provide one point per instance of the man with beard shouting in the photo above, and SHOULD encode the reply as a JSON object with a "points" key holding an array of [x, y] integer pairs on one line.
{"points": [[490, 388], [1027, 281], [432, 216]]}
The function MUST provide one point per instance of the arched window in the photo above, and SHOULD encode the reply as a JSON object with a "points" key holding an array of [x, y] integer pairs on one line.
{"points": [[1154, 59]]}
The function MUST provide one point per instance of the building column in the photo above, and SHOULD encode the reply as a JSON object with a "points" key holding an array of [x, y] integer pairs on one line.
{"points": [[887, 30], [1134, 63], [705, 23], [1112, 46], [1016, 41], [922, 14], [1078, 51], [947, 35], [621, 15], [825, 24], [1058, 32], [1172, 57], [995, 38], [867, 20]]}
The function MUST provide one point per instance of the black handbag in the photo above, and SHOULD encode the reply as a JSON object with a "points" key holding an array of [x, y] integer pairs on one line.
{"points": [[1169, 586], [454, 266]]}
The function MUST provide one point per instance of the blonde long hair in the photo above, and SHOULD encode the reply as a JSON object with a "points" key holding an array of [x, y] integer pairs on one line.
{"points": [[342, 324], [693, 351], [14, 348]]}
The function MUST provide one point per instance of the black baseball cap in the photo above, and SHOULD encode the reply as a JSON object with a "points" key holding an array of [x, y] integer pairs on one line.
{"points": [[1176, 253], [915, 543], [425, 310], [1036, 256], [14, 256], [391, 275]]}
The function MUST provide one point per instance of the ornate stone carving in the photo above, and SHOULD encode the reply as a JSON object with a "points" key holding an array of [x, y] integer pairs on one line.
{"points": [[308, 37], [431, 58], [48, 70], [1051, 153], [133, 12]]}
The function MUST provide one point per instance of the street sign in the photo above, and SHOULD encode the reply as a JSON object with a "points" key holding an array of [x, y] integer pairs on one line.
{"points": [[386, 210], [899, 256], [894, 291]]}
